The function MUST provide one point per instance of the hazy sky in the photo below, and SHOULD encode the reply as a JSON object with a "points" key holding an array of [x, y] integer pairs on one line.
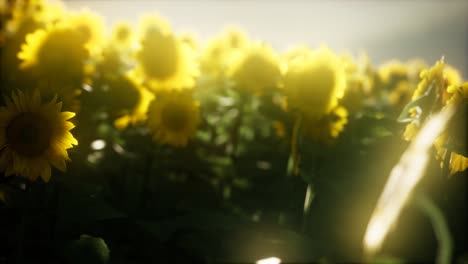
{"points": [[385, 29]]}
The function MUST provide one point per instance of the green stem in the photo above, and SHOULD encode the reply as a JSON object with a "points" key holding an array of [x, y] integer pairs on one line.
{"points": [[309, 197], [294, 156], [440, 227]]}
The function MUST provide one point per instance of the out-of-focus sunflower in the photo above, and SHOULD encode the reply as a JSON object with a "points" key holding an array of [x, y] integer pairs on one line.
{"points": [[132, 110], [328, 127], [359, 82], [23, 17], [57, 49], [139, 113], [32, 12], [173, 117], [89, 25], [216, 57], [256, 69], [122, 35], [165, 60], [34, 136], [56, 57], [449, 144], [190, 39], [398, 80], [447, 82], [401, 94], [442, 76], [391, 73], [314, 82], [439, 78]]}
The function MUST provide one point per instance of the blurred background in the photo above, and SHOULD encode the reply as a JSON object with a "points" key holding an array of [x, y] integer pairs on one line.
{"points": [[384, 29]]}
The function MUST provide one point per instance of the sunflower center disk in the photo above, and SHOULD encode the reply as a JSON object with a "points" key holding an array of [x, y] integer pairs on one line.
{"points": [[174, 117], [29, 135]]}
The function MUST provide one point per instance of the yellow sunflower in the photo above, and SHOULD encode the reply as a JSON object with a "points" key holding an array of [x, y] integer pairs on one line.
{"points": [[392, 73], [327, 128], [89, 25], [456, 131], [34, 136], [138, 113], [359, 82], [447, 81], [401, 94], [166, 61], [314, 82], [23, 17], [441, 77], [56, 51], [122, 35], [56, 58], [218, 54], [257, 68], [173, 117]]}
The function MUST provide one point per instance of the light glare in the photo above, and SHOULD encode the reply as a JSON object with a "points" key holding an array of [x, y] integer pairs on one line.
{"points": [[403, 179], [272, 260], [98, 144]]}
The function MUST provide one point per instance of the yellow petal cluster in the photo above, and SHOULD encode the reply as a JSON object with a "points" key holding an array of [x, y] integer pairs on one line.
{"points": [[173, 117], [314, 82], [256, 69], [164, 60]]}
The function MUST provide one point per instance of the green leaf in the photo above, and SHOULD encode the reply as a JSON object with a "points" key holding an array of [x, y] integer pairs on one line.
{"points": [[424, 104], [87, 250], [386, 260]]}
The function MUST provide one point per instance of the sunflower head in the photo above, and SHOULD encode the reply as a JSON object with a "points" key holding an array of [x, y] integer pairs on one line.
{"points": [[122, 35], [173, 117], [328, 127], [57, 49], [401, 94], [89, 26], [314, 81], [359, 82], [391, 73], [165, 60], [221, 51], [34, 136], [256, 69], [430, 77]]}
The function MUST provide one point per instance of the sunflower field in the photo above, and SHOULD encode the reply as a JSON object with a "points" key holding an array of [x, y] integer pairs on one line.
{"points": [[139, 144]]}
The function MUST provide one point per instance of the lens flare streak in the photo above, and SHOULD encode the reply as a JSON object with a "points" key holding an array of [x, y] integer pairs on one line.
{"points": [[403, 179]]}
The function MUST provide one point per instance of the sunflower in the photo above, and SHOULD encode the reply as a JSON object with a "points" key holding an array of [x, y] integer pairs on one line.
{"points": [[165, 60], [256, 69], [218, 54], [138, 112], [314, 81], [327, 128], [122, 35], [55, 57], [440, 77], [23, 18], [391, 73], [359, 82], [401, 95], [447, 81], [57, 49], [89, 25], [456, 131], [173, 117], [34, 136]]}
